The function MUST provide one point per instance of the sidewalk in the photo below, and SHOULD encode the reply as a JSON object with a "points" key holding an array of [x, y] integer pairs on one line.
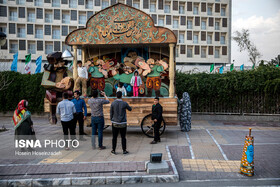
{"points": [[210, 151]]}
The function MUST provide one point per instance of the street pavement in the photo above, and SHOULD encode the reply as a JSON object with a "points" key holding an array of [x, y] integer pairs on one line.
{"points": [[208, 155]]}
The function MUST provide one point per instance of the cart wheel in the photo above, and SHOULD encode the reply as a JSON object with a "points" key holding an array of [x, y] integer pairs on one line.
{"points": [[147, 126]]}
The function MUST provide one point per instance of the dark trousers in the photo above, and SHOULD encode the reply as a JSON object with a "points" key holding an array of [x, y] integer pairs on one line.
{"points": [[80, 118], [97, 123], [69, 126], [115, 132], [156, 130]]}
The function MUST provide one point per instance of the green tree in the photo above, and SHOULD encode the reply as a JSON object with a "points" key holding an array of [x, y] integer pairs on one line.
{"points": [[245, 44]]}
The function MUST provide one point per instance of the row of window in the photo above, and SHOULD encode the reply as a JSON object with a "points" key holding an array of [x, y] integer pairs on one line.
{"points": [[34, 46], [202, 51], [203, 22], [197, 37], [38, 30]]}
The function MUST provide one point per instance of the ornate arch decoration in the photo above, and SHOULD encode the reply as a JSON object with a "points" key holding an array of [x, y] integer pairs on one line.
{"points": [[120, 24]]}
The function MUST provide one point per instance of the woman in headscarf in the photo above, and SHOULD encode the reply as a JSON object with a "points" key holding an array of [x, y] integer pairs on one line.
{"points": [[23, 123]]}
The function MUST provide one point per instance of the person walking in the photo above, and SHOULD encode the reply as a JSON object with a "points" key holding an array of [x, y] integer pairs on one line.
{"points": [[157, 119], [66, 109], [97, 117], [119, 122], [80, 117], [23, 123]]}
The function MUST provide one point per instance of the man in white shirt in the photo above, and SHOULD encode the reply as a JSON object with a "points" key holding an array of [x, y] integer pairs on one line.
{"points": [[82, 77]]}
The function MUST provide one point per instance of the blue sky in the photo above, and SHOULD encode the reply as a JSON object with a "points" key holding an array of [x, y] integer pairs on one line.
{"points": [[262, 18]]}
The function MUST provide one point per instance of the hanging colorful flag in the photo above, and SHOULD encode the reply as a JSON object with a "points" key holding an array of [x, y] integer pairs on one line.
{"points": [[14, 64], [27, 67], [242, 67], [231, 67], [253, 67], [277, 65], [38, 64], [221, 69], [211, 68]]}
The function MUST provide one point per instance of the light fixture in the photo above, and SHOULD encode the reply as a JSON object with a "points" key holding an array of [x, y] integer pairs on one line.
{"points": [[155, 157]]}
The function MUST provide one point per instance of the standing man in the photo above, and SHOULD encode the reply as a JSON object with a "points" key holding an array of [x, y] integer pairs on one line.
{"points": [[66, 110], [97, 117], [80, 117], [157, 118], [119, 123], [82, 78]]}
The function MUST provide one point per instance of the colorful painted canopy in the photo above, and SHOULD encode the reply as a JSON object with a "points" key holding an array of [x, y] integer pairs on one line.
{"points": [[120, 24]]}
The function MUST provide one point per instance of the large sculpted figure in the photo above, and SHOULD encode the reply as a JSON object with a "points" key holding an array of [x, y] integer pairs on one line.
{"points": [[56, 81]]}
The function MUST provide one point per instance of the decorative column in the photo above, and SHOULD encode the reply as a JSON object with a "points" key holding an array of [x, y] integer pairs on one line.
{"points": [[83, 55], [75, 69], [171, 70]]}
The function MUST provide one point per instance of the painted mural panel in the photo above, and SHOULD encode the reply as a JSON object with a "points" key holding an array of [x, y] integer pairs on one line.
{"points": [[120, 24]]}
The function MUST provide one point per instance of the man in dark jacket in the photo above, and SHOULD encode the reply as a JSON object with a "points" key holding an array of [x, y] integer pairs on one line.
{"points": [[119, 122], [157, 118]]}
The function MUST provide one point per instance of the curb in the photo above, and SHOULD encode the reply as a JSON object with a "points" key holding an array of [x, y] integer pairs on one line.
{"points": [[96, 180]]}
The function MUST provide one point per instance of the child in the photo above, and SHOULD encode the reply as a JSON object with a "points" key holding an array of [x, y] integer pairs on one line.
{"points": [[122, 89], [135, 82]]}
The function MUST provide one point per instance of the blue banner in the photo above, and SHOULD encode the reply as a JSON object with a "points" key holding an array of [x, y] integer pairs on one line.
{"points": [[14, 64], [242, 67], [38, 64], [221, 69]]}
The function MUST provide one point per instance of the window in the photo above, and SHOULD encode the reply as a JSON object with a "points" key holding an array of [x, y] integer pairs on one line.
{"points": [[210, 50], [209, 39], [177, 51], [203, 52], [65, 18], [190, 24], [64, 47], [3, 29], [182, 49], [189, 52], [189, 35], [161, 21], [30, 16], [105, 4], [13, 16], [49, 17], [209, 11], [195, 10], [182, 9], [13, 48], [64, 30], [73, 3], [195, 38], [56, 34], [203, 25], [217, 25], [153, 7], [82, 19], [196, 50], [48, 48], [175, 23], [21, 32], [39, 33], [55, 3], [3, 1], [38, 2], [136, 5], [223, 40], [89, 4], [182, 38], [217, 53], [166, 8], [223, 12], [32, 48], [20, 2]]}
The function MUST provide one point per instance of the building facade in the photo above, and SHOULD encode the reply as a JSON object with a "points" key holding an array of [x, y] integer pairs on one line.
{"points": [[39, 27]]}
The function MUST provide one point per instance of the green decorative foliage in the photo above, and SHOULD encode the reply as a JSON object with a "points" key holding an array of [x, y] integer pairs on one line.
{"points": [[253, 91], [23, 86]]}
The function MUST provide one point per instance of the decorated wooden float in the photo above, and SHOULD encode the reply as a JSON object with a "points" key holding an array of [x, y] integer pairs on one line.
{"points": [[115, 42]]}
